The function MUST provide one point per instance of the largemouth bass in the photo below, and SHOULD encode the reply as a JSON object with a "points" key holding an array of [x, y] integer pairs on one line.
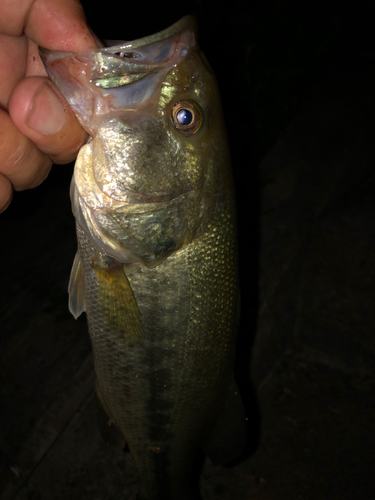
{"points": [[156, 268]]}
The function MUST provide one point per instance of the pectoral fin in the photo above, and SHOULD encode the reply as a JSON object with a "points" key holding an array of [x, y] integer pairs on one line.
{"points": [[76, 289], [118, 305], [227, 439]]}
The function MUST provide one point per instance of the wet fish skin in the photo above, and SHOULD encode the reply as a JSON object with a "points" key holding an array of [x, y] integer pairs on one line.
{"points": [[156, 270]]}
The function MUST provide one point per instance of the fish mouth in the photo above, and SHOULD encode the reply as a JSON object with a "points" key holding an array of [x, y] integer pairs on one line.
{"points": [[155, 53], [119, 79]]}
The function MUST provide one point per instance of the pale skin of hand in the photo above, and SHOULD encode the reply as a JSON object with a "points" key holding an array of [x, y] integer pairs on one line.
{"points": [[37, 126]]}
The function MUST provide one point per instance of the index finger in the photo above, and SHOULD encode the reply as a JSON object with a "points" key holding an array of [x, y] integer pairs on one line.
{"points": [[54, 24]]}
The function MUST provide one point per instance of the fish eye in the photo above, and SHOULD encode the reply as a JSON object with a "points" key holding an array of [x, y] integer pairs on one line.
{"points": [[186, 117]]}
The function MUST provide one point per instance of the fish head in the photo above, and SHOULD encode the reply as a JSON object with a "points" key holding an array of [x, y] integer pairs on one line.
{"points": [[147, 180]]}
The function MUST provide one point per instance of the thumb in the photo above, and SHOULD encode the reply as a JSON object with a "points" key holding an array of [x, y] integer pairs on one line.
{"points": [[41, 113]]}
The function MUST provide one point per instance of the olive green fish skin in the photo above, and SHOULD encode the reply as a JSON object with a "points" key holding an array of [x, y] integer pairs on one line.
{"points": [[156, 230], [164, 392]]}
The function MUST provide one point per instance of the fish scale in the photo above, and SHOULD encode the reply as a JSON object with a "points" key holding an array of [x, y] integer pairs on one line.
{"points": [[176, 367], [156, 269]]}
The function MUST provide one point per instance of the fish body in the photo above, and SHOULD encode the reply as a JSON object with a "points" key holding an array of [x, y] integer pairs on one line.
{"points": [[156, 268]]}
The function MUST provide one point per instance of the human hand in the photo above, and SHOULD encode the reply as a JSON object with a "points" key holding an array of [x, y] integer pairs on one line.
{"points": [[37, 126]]}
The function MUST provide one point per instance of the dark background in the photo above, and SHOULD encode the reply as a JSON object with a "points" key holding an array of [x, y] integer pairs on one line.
{"points": [[297, 92]]}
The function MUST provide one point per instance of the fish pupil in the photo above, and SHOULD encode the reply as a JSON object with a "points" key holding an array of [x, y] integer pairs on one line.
{"points": [[184, 117]]}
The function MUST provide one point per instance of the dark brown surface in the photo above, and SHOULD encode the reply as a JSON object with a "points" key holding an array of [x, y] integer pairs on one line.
{"points": [[313, 354]]}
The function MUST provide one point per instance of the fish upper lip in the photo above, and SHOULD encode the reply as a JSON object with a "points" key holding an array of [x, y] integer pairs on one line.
{"points": [[186, 23]]}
